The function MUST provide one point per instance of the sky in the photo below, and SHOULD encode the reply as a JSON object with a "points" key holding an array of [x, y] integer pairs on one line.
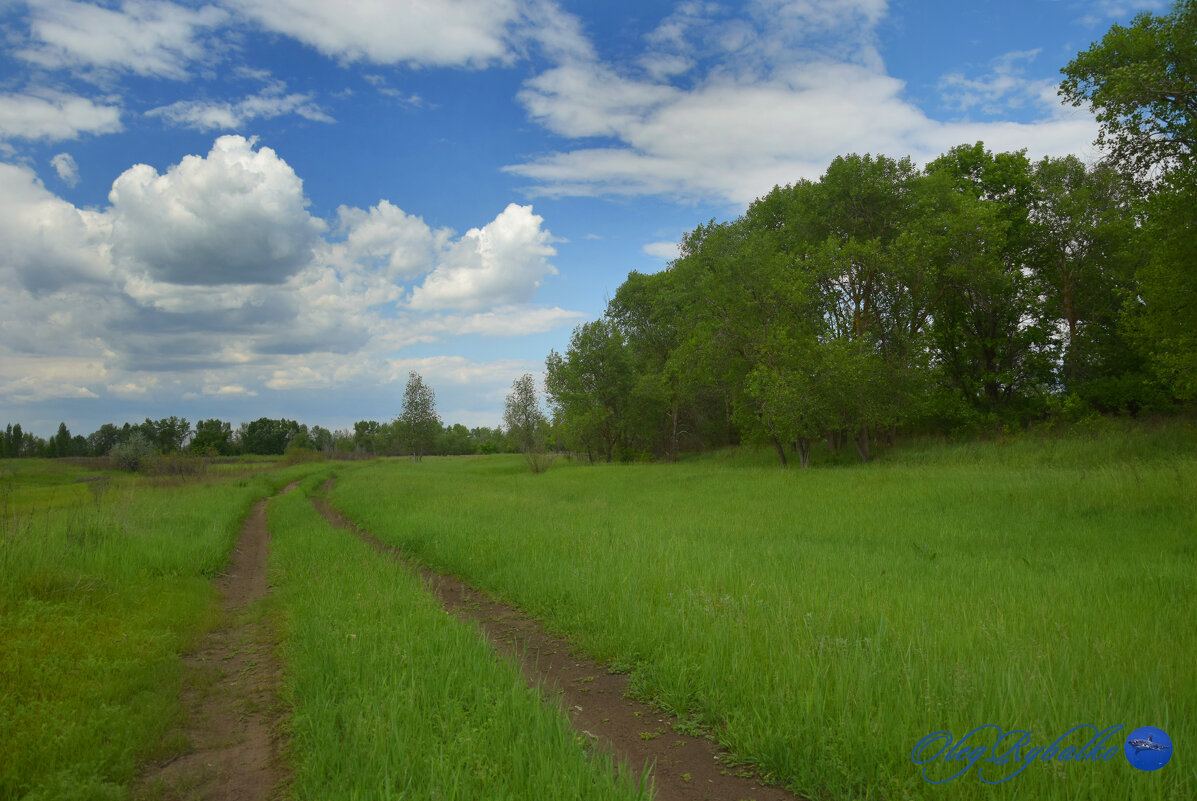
{"points": [[278, 208]]}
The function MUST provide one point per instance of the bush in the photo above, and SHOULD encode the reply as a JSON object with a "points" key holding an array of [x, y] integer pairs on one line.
{"points": [[133, 452]]}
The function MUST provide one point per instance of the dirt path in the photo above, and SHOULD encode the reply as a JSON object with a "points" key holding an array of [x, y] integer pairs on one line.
{"points": [[684, 768], [230, 693]]}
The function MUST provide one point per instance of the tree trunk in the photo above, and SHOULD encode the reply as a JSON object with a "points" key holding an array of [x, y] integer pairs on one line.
{"points": [[833, 442], [862, 443], [781, 451], [673, 413], [803, 446]]}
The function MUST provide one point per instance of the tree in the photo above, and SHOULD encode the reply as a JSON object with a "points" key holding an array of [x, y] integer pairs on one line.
{"points": [[100, 441], [587, 389], [525, 423], [1083, 227], [1141, 83], [418, 422], [267, 436], [989, 328], [212, 438]]}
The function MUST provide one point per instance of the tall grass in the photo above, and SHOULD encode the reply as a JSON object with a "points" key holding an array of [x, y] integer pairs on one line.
{"points": [[102, 584], [821, 623], [391, 698]]}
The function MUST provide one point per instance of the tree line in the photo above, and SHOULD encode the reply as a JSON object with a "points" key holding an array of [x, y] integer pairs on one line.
{"points": [[982, 290], [417, 431]]}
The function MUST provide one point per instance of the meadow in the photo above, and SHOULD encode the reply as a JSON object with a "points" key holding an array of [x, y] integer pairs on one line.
{"points": [[821, 623], [392, 698], [818, 623], [105, 578]]}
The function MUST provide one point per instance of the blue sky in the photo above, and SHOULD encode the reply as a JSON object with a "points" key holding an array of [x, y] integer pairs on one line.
{"points": [[247, 208]]}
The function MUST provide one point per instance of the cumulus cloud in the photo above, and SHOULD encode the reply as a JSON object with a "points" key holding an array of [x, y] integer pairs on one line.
{"points": [[504, 262], [450, 33], [45, 242], [148, 295], [724, 105], [206, 115], [54, 116], [236, 216], [68, 171], [387, 238], [144, 38]]}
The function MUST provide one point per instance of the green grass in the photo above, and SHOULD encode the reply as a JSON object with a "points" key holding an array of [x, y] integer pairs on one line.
{"points": [[392, 698], [821, 623], [102, 585]]}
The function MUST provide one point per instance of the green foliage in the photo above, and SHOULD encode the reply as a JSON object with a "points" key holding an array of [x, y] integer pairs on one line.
{"points": [[212, 438], [133, 452], [1141, 83], [266, 436], [525, 424], [418, 424]]}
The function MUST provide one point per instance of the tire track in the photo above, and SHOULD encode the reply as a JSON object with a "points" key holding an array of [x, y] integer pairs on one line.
{"points": [[683, 767], [230, 695]]}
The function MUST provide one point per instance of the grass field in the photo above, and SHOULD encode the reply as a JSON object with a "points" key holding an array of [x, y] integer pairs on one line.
{"points": [[104, 581], [821, 623], [392, 698]]}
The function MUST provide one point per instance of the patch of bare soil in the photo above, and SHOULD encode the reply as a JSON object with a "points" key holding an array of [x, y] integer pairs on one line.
{"points": [[684, 768], [229, 696]]}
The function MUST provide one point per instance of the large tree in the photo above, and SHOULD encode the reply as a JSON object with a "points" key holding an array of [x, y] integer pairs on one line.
{"points": [[418, 422], [1141, 82]]}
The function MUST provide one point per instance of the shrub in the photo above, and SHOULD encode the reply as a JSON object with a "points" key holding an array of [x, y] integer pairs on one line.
{"points": [[133, 452]]}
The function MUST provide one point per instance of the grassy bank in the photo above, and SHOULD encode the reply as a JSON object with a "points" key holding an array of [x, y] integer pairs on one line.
{"points": [[105, 578], [392, 698], [821, 623]]}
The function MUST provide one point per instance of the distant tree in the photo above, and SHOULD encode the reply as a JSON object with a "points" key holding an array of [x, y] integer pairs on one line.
{"points": [[100, 441], [267, 436], [525, 423], [418, 423], [212, 437], [322, 438]]}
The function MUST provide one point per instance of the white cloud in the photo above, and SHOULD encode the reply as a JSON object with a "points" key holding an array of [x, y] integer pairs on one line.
{"points": [[504, 262], [122, 302], [784, 89], [222, 115], [54, 116], [388, 238], [46, 242], [145, 38], [666, 251], [459, 33], [236, 216], [68, 171]]}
